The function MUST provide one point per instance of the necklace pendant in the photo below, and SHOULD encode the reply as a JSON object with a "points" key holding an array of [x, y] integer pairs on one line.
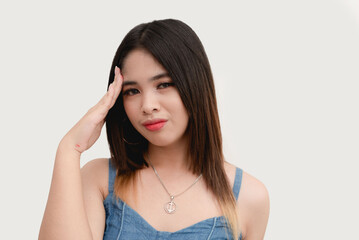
{"points": [[170, 207]]}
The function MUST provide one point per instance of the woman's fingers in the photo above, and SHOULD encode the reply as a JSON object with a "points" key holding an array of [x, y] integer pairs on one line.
{"points": [[109, 99], [117, 85]]}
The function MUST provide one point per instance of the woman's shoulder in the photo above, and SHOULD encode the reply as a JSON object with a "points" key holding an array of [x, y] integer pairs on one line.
{"points": [[254, 194], [96, 173], [253, 206], [251, 187]]}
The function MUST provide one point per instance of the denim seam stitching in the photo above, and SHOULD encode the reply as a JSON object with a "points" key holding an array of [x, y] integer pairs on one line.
{"points": [[214, 224], [123, 215]]}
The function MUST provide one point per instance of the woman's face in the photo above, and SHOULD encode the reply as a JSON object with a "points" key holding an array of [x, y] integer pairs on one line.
{"points": [[151, 100]]}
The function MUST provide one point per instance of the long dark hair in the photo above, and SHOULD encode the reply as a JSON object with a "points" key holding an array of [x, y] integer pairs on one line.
{"points": [[179, 50]]}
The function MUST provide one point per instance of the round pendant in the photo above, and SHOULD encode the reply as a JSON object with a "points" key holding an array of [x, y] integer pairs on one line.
{"points": [[170, 207]]}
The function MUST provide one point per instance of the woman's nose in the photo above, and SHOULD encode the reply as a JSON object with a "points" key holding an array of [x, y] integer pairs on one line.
{"points": [[150, 103]]}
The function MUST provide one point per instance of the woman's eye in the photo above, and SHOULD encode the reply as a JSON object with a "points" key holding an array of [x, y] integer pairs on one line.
{"points": [[130, 92], [165, 85]]}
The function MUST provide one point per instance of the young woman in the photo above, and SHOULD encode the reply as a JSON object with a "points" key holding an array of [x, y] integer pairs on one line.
{"points": [[167, 177]]}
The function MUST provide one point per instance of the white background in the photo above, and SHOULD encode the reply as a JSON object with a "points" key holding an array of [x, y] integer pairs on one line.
{"points": [[286, 75]]}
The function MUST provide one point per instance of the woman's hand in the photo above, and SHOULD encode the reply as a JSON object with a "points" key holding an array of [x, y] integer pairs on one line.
{"points": [[86, 132]]}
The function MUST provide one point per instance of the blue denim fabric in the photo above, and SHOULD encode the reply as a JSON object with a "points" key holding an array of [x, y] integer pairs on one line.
{"points": [[123, 222]]}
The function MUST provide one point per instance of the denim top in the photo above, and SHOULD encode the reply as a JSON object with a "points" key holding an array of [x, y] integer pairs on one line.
{"points": [[123, 222]]}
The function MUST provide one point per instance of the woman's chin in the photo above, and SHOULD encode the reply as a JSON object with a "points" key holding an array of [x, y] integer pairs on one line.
{"points": [[160, 142]]}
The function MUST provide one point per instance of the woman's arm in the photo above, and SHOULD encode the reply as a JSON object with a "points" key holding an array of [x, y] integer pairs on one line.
{"points": [[254, 204], [65, 215]]}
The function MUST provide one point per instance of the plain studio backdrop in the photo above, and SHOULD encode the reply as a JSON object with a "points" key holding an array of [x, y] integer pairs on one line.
{"points": [[286, 75]]}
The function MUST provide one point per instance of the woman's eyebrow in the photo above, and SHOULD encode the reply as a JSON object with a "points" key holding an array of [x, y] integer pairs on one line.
{"points": [[154, 78], [158, 76]]}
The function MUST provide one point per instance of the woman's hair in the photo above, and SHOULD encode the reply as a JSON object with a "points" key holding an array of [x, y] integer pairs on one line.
{"points": [[179, 50]]}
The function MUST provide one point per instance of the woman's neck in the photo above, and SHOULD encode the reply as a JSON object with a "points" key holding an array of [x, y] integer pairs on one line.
{"points": [[169, 159]]}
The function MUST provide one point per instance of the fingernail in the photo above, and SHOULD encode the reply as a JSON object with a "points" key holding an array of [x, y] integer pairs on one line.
{"points": [[117, 70]]}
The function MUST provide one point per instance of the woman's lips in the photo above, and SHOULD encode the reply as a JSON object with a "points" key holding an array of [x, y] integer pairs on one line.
{"points": [[155, 125]]}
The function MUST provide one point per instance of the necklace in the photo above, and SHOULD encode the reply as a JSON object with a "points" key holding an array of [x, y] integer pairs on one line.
{"points": [[170, 207]]}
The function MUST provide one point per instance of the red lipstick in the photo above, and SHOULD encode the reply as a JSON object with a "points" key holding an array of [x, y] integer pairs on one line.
{"points": [[154, 124]]}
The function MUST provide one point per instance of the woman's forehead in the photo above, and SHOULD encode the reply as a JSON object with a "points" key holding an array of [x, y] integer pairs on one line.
{"points": [[140, 62]]}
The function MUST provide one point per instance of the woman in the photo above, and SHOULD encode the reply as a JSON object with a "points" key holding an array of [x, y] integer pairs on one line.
{"points": [[167, 177]]}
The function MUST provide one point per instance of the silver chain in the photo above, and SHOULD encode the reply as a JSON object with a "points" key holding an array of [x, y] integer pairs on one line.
{"points": [[172, 196]]}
